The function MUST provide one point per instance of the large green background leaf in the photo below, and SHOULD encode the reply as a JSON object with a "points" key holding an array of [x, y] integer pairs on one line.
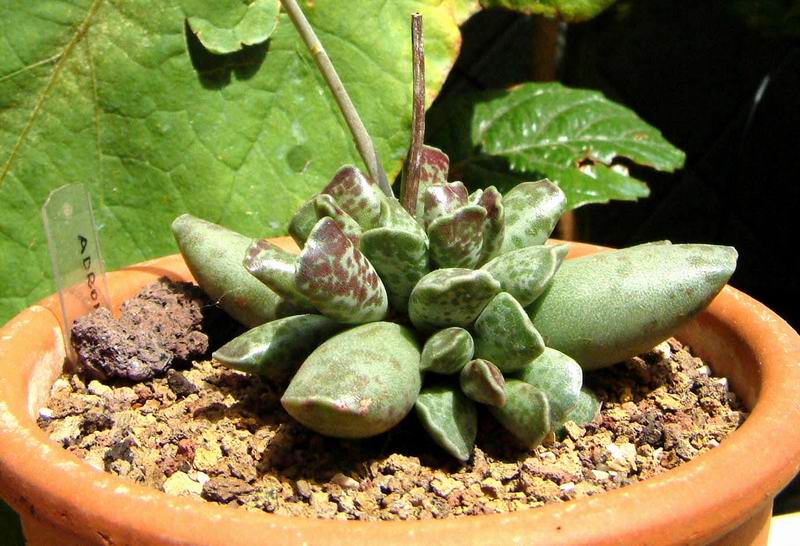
{"points": [[568, 10], [572, 136], [107, 92]]}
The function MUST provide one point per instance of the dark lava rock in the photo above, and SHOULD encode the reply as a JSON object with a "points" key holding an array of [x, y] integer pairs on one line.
{"points": [[161, 324]]}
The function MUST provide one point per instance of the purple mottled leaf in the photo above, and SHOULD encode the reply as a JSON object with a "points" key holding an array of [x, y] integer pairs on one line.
{"points": [[434, 166], [483, 382], [275, 267], [357, 195], [494, 227], [337, 278], [456, 240], [443, 199], [326, 205]]}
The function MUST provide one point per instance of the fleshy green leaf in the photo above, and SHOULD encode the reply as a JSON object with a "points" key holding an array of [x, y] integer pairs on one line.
{"points": [[276, 349], [532, 210], [526, 413], [275, 267], [303, 221], [456, 240], [559, 377], [526, 273], [574, 137], [225, 26], [214, 256], [585, 410], [568, 10], [118, 96], [450, 418], [337, 278], [607, 307], [394, 216], [401, 260], [483, 382], [447, 351], [505, 335], [450, 297], [359, 383]]}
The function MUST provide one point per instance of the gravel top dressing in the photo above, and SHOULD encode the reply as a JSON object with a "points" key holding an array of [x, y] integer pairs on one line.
{"points": [[221, 435]]}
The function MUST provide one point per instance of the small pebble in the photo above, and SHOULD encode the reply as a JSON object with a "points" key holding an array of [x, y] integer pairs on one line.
{"points": [[345, 482], [181, 484]]}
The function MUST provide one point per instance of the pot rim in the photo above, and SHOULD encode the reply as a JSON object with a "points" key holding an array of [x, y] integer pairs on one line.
{"points": [[725, 484]]}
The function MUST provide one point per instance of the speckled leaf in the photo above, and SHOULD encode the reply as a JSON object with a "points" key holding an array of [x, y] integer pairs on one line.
{"points": [[456, 240], [450, 418], [567, 10], [214, 256], [276, 349], [443, 199], [303, 221], [585, 410], [607, 307], [483, 382], [359, 383], [494, 228], [434, 166], [559, 377], [337, 278], [275, 267], [225, 26], [577, 138], [532, 211], [325, 205], [394, 216], [357, 195], [401, 260], [447, 351], [505, 335], [450, 297], [526, 413], [526, 273]]}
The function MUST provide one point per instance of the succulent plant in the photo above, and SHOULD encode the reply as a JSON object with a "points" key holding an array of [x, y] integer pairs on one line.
{"points": [[443, 301]]}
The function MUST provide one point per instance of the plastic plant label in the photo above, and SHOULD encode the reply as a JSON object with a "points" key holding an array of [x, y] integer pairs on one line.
{"points": [[74, 247]]}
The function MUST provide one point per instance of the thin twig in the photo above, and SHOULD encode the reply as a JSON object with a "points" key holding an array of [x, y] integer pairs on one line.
{"points": [[413, 162], [360, 135]]}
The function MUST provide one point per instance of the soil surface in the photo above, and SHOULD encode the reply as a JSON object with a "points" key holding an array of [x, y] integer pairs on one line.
{"points": [[221, 435]]}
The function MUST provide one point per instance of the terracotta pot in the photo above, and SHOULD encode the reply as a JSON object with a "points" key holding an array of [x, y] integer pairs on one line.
{"points": [[723, 496]]}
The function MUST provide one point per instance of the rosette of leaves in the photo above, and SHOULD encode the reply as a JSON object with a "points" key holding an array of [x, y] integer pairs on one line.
{"points": [[445, 305], [440, 300]]}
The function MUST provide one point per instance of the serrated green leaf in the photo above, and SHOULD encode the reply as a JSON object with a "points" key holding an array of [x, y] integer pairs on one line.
{"points": [[118, 96], [574, 137], [567, 10], [229, 25]]}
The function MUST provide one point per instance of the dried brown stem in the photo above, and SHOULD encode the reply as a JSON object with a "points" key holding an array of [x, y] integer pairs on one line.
{"points": [[360, 135], [413, 162]]}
